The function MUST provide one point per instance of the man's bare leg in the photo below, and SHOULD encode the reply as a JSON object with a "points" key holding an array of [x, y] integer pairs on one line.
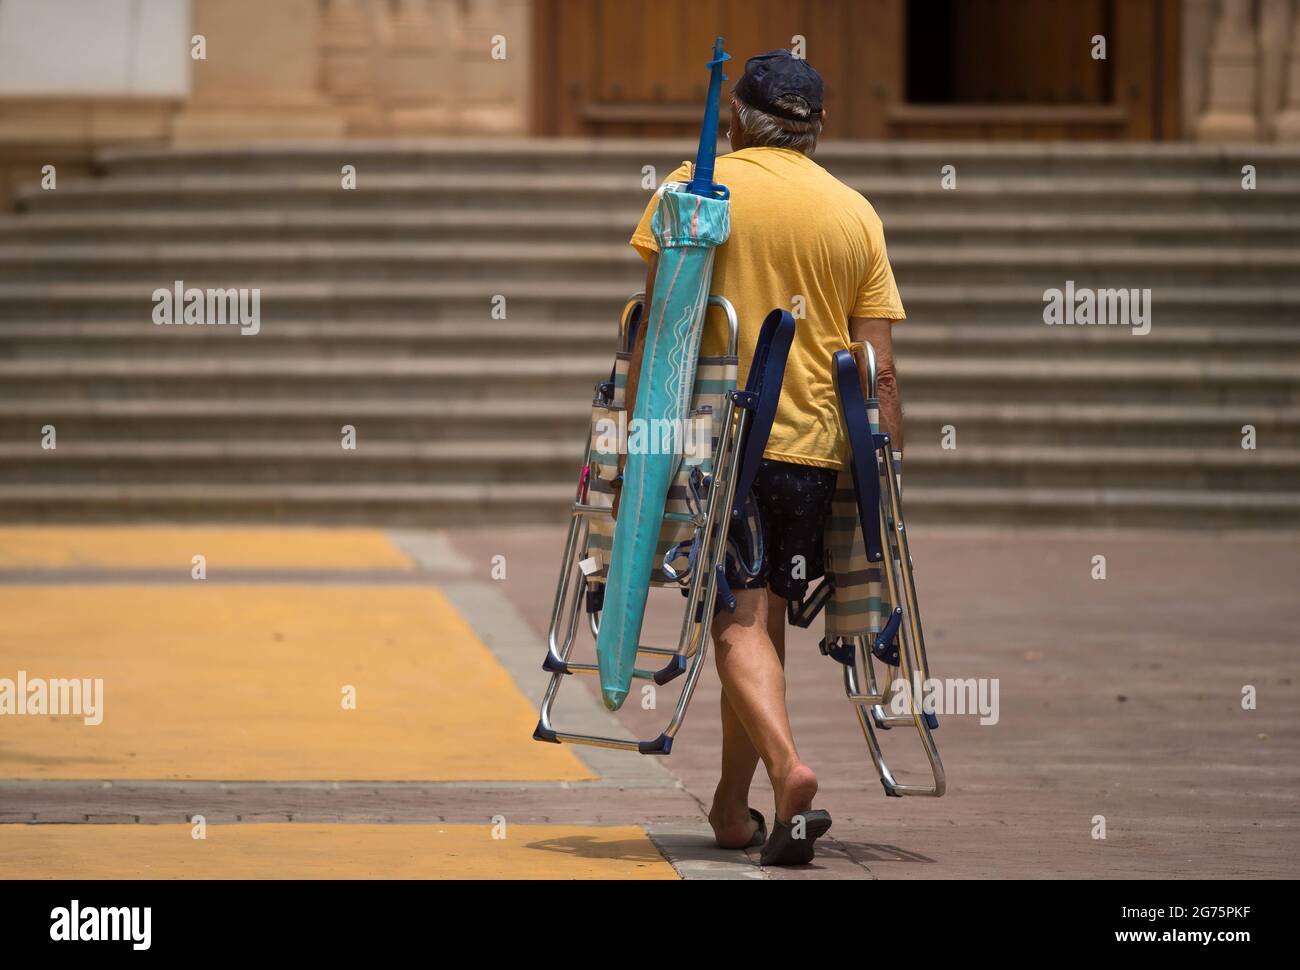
{"points": [[729, 814], [755, 724]]}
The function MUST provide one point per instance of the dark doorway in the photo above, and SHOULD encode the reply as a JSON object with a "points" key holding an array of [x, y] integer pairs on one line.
{"points": [[1012, 52]]}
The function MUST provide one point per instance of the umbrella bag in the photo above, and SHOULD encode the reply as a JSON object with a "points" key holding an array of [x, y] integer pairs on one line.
{"points": [[688, 228]]}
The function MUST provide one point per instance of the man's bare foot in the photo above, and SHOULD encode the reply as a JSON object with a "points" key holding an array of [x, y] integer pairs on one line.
{"points": [[732, 829], [795, 791]]}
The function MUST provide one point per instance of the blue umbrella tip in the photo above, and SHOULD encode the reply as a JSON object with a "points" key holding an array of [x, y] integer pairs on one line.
{"points": [[613, 697]]}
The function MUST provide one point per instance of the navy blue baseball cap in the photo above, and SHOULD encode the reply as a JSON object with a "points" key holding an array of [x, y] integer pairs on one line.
{"points": [[779, 74]]}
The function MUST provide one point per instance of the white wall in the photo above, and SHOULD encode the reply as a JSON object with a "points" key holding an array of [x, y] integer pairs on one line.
{"points": [[95, 47]]}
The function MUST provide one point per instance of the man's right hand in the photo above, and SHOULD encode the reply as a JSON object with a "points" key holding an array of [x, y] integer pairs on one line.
{"points": [[634, 372]]}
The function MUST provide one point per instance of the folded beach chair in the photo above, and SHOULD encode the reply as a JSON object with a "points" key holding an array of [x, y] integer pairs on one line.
{"points": [[689, 224], [684, 508], [707, 517], [872, 613]]}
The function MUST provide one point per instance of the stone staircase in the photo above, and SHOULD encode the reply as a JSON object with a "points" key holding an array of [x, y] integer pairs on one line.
{"points": [[376, 313]]}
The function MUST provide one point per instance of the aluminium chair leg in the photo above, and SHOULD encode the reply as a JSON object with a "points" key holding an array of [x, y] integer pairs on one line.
{"points": [[900, 588]]}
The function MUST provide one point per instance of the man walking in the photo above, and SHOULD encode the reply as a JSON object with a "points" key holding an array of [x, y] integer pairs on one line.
{"points": [[802, 240]]}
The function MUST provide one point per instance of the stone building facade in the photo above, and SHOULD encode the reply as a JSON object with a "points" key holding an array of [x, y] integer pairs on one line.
{"points": [[79, 74]]}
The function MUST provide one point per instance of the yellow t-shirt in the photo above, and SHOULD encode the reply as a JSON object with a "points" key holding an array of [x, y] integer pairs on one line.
{"points": [[804, 241]]}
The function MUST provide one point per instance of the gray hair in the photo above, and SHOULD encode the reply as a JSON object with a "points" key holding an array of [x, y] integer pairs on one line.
{"points": [[763, 129]]}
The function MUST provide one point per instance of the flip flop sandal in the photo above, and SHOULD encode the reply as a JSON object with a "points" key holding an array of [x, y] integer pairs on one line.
{"points": [[760, 834], [783, 849]]}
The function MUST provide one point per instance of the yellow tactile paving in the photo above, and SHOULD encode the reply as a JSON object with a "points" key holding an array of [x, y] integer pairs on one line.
{"points": [[305, 851], [165, 547], [227, 682]]}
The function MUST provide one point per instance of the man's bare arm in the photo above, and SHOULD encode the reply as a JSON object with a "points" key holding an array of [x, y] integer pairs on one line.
{"points": [[638, 347], [634, 365], [877, 332]]}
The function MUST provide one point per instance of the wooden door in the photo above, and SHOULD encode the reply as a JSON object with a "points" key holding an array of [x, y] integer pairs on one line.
{"points": [[928, 69], [623, 68]]}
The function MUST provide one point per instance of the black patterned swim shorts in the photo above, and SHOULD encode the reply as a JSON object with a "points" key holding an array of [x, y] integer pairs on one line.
{"points": [[794, 502]]}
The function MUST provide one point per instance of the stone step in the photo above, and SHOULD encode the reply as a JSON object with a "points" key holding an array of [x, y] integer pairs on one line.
{"points": [[1097, 425], [427, 504], [266, 462], [344, 339], [104, 420], [891, 195], [270, 419], [500, 503], [1231, 341], [377, 313], [336, 338], [1221, 229], [252, 264], [248, 264], [1277, 306], [1229, 468], [557, 462], [521, 378], [602, 156], [468, 378]]}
